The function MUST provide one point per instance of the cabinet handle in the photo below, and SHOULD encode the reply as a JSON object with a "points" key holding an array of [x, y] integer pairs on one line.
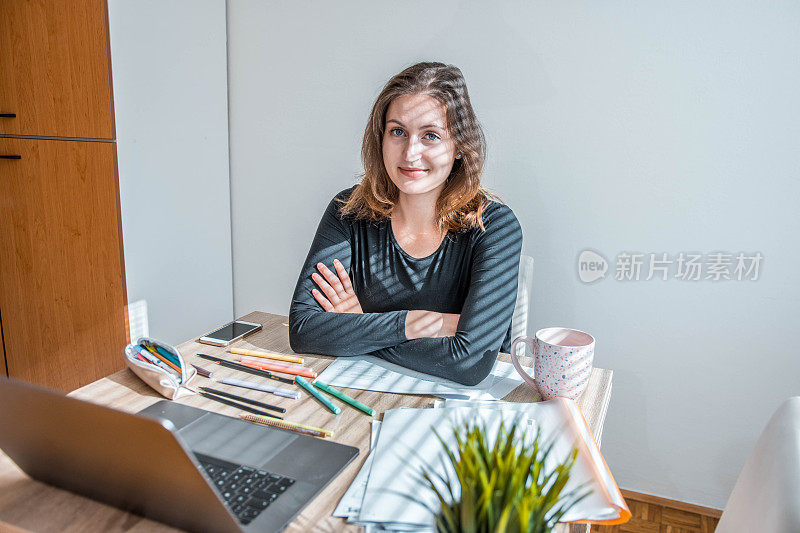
{"points": [[8, 115], [10, 157]]}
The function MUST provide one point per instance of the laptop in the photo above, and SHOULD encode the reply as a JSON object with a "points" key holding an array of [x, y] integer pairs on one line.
{"points": [[186, 467]]}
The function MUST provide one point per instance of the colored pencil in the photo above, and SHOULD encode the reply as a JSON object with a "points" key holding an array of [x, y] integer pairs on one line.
{"points": [[165, 360], [152, 359], [286, 393], [237, 405], [277, 367], [312, 390], [245, 368], [237, 366], [243, 399], [168, 355], [285, 424], [163, 355], [267, 355], [344, 397], [202, 371]]}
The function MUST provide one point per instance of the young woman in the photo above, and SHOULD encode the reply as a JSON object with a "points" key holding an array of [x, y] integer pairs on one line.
{"points": [[416, 264]]}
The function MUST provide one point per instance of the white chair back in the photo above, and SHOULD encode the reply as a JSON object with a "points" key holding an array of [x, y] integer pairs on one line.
{"points": [[766, 496], [519, 322]]}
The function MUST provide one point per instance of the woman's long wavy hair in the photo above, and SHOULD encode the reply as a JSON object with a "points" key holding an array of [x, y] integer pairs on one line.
{"points": [[461, 204]]}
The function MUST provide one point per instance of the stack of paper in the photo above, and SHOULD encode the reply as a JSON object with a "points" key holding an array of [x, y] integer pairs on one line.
{"points": [[390, 494], [366, 372]]}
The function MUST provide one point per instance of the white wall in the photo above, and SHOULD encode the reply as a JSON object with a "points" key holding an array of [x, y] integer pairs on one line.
{"points": [[169, 68], [615, 126]]}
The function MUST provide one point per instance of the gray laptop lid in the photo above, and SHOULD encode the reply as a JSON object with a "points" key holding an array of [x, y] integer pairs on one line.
{"points": [[132, 462]]}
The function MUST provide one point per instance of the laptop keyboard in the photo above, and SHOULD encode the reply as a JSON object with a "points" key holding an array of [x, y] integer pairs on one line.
{"points": [[247, 491]]}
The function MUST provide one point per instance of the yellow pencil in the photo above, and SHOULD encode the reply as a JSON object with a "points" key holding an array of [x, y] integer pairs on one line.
{"points": [[267, 355], [285, 424]]}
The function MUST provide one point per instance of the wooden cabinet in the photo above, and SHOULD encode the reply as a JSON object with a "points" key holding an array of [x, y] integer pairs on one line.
{"points": [[2, 348], [62, 284], [61, 287], [54, 69]]}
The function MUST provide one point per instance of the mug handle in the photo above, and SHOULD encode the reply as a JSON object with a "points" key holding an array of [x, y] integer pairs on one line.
{"points": [[515, 361]]}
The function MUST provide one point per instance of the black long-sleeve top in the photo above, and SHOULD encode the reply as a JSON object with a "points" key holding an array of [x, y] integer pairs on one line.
{"points": [[473, 273]]}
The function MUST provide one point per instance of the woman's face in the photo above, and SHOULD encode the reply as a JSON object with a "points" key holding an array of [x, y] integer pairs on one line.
{"points": [[418, 153]]}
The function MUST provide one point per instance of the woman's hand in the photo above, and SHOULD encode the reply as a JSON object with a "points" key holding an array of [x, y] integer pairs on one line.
{"points": [[428, 324], [339, 296], [449, 325]]}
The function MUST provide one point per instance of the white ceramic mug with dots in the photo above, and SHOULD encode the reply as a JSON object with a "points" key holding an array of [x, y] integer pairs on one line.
{"points": [[562, 361]]}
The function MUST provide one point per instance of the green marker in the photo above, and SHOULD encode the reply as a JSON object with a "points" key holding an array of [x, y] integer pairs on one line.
{"points": [[345, 398], [316, 394]]}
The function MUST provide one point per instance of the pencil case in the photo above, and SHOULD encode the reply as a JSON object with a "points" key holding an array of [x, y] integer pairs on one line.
{"points": [[165, 370]]}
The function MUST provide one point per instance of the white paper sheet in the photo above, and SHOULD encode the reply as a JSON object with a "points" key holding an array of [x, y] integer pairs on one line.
{"points": [[350, 504], [366, 372], [552, 417], [396, 494]]}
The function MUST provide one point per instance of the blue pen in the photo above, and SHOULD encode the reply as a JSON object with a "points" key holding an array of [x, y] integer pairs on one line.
{"points": [[168, 355], [147, 355], [312, 390]]}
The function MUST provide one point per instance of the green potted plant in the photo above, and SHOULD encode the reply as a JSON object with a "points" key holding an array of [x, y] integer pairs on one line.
{"points": [[502, 487]]}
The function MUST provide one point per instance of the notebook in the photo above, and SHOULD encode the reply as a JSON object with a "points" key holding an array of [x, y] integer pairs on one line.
{"points": [[156, 463]]}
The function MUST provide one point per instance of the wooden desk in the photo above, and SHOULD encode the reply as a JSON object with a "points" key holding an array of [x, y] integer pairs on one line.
{"points": [[31, 505]]}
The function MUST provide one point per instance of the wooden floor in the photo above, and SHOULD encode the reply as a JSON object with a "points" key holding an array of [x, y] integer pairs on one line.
{"points": [[651, 514]]}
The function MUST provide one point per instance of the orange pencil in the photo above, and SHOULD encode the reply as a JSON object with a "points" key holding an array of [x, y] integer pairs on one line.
{"points": [[283, 364], [275, 367], [167, 361], [267, 355]]}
